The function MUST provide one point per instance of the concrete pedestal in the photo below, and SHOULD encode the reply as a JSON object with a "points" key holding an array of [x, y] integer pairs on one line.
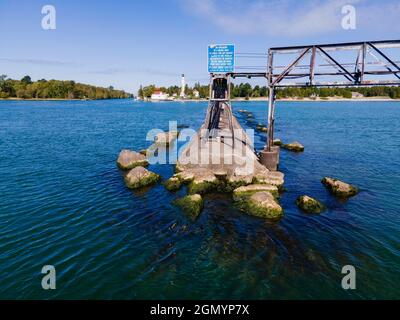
{"points": [[270, 159], [278, 150]]}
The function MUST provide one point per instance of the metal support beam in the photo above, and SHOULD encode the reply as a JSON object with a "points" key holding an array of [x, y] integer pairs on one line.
{"points": [[312, 65], [385, 56], [349, 75], [290, 67], [271, 118]]}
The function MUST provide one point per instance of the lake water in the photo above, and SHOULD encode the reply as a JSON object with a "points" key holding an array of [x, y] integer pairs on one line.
{"points": [[63, 202]]}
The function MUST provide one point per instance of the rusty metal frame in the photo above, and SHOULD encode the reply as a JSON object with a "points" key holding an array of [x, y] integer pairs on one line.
{"points": [[356, 77]]}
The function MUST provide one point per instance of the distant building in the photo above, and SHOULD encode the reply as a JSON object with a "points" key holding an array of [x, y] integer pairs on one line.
{"points": [[196, 94], [158, 95]]}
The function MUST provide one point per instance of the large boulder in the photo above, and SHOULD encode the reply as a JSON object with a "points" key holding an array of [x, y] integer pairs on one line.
{"points": [[274, 178], [263, 204], [236, 180], [140, 177], [128, 159], [309, 204], [339, 188], [204, 181], [241, 193], [192, 205], [294, 146]]}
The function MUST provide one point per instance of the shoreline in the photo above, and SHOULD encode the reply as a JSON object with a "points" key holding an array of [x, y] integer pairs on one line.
{"points": [[329, 99], [57, 99]]}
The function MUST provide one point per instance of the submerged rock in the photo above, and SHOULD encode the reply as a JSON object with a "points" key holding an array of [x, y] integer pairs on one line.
{"points": [[165, 138], [263, 204], [294, 146], [339, 188], [244, 192], [128, 159], [261, 128], [140, 177], [192, 205], [309, 204]]}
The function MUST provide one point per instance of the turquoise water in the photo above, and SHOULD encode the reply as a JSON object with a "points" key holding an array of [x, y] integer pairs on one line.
{"points": [[63, 202]]}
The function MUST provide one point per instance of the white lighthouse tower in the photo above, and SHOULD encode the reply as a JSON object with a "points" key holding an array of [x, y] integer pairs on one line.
{"points": [[182, 95]]}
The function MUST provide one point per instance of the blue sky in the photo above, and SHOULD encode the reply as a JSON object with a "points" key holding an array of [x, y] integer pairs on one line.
{"points": [[127, 43]]}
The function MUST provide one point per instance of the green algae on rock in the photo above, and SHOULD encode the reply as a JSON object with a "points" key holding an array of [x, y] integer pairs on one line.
{"points": [[173, 183], [128, 159], [339, 188], [192, 205], [140, 177], [241, 193], [309, 204], [200, 180], [294, 146], [275, 178], [264, 205]]}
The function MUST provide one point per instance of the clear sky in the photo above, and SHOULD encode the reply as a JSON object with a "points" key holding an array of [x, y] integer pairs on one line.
{"points": [[126, 43]]}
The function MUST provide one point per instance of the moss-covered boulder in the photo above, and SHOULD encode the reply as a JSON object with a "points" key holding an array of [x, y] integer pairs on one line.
{"points": [[244, 192], [203, 184], [200, 180], [294, 146], [128, 159], [173, 183], [186, 176], [309, 204], [264, 205], [192, 205], [339, 188], [274, 178], [234, 181], [140, 177]]}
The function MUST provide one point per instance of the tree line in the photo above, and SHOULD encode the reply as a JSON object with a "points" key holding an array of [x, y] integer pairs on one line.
{"points": [[247, 91], [55, 89]]}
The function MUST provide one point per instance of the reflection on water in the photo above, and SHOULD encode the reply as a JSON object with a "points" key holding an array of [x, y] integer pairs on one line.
{"points": [[63, 202]]}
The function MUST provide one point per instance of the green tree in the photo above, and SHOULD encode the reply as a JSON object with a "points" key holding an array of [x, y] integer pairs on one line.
{"points": [[26, 80]]}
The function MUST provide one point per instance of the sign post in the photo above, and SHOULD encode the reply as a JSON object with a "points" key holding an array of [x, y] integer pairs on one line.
{"points": [[221, 58]]}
